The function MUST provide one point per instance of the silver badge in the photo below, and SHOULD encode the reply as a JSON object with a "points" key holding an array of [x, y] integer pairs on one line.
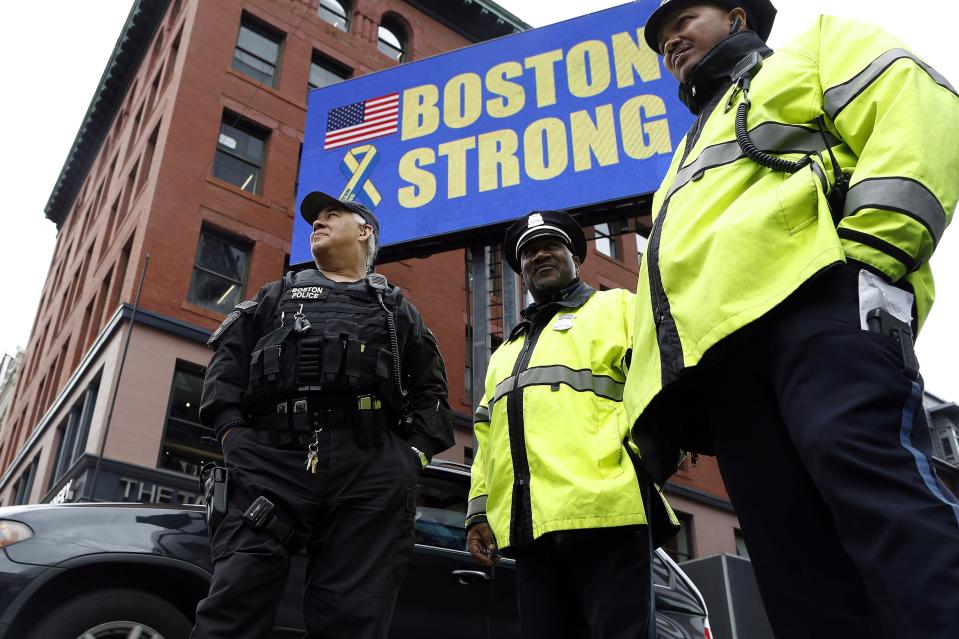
{"points": [[534, 220], [564, 322]]}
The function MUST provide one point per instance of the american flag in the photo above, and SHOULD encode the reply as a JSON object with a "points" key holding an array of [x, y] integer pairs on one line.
{"points": [[360, 121]]}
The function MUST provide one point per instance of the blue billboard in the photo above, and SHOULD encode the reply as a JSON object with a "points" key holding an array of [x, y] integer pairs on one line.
{"points": [[564, 116]]}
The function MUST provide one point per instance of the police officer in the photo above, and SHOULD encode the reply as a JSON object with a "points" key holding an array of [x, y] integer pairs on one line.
{"points": [[329, 395], [787, 269], [553, 482]]}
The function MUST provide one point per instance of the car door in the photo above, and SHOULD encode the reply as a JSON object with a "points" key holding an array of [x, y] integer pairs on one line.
{"points": [[680, 610], [445, 594]]}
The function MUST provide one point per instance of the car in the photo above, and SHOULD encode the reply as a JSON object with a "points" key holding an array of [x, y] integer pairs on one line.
{"points": [[118, 570]]}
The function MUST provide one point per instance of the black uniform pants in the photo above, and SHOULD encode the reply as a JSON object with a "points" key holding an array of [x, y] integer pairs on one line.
{"points": [[585, 584], [358, 511], [825, 451]]}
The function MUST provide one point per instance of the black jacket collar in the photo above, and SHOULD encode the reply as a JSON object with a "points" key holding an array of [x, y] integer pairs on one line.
{"points": [[712, 74], [573, 296]]}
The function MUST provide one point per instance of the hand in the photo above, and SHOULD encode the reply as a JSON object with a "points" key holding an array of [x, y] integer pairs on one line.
{"points": [[482, 545]]}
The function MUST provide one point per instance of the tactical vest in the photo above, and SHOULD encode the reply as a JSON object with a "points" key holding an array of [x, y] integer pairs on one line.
{"points": [[327, 338]]}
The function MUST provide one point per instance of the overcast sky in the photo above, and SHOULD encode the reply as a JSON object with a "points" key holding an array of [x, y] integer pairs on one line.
{"points": [[53, 70]]}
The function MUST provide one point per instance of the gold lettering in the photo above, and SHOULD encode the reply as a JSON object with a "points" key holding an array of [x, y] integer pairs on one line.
{"points": [[462, 100], [542, 65], [420, 115], [545, 159], [455, 153], [591, 138], [497, 152], [513, 98], [633, 55], [643, 138], [423, 183], [587, 69]]}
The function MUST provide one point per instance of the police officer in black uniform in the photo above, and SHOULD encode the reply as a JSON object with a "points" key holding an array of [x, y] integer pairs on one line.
{"points": [[328, 395]]}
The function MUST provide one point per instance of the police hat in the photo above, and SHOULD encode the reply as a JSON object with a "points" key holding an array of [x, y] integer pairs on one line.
{"points": [[537, 224], [760, 14], [316, 201]]}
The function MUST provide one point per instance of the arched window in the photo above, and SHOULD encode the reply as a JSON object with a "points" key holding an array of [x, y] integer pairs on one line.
{"points": [[391, 39], [336, 13]]}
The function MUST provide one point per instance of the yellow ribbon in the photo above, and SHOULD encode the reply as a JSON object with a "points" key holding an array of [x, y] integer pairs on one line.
{"points": [[359, 163]]}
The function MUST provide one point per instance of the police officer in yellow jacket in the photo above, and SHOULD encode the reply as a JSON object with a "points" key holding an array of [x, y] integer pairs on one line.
{"points": [[553, 479], [786, 273]]}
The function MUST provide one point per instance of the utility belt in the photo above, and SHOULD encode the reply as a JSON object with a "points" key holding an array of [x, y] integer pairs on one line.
{"points": [[294, 421]]}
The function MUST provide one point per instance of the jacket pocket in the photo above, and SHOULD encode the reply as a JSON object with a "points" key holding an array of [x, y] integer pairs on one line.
{"points": [[610, 417], [798, 200]]}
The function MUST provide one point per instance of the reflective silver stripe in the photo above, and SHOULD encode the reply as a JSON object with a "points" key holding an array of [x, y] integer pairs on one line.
{"points": [[899, 194], [476, 506], [503, 388], [481, 414], [771, 137], [838, 97], [581, 380]]}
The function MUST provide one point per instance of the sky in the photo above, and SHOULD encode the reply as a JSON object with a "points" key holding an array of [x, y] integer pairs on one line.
{"points": [[48, 90]]}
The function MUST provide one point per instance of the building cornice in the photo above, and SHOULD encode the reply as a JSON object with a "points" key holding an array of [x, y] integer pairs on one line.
{"points": [[475, 20], [133, 43]]}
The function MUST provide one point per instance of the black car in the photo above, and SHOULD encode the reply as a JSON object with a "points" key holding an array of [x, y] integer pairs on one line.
{"points": [[112, 571]]}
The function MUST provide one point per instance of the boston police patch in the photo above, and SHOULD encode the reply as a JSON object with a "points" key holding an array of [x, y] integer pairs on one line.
{"points": [[238, 310], [307, 293]]}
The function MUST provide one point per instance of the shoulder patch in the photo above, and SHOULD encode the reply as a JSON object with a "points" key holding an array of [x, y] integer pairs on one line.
{"points": [[227, 321], [246, 306]]}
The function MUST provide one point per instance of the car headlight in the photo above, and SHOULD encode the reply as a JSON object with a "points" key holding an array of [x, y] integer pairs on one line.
{"points": [[13, 532]]}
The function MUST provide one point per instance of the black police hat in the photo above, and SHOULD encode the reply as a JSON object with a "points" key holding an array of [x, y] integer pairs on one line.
{"points": [[759, 13], [316, 201], [537, 224]]}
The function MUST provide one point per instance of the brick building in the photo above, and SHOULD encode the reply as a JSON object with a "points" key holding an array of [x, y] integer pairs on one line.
{"points": [[177, 201]]}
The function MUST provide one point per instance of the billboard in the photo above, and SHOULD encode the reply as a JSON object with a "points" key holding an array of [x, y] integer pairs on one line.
{"points": [[564, 116]]}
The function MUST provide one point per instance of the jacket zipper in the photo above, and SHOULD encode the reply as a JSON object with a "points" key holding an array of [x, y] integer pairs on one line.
{"points": [[667, 335], [521, 517]]}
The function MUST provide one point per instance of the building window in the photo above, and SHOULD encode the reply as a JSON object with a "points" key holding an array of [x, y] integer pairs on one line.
{"points": [[24, 485], [187, 444], [239, 154], [680, 547], [73, 433], [336, 13], [605, 242], [641, 243], [257, 52], [324, 72], [391, 40], [219, 272]]}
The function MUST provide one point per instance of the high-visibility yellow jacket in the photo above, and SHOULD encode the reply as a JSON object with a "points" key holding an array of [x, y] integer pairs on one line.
{"points": [[551, 428], [732, 239]]}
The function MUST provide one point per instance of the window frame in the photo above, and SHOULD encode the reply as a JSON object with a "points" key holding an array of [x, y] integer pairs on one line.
{"points": [[393, 26], [346, 17], [187, 367], [606, 236], [267, 32], [686, 535], [327, 64], [248, 128], [228, 238]]}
